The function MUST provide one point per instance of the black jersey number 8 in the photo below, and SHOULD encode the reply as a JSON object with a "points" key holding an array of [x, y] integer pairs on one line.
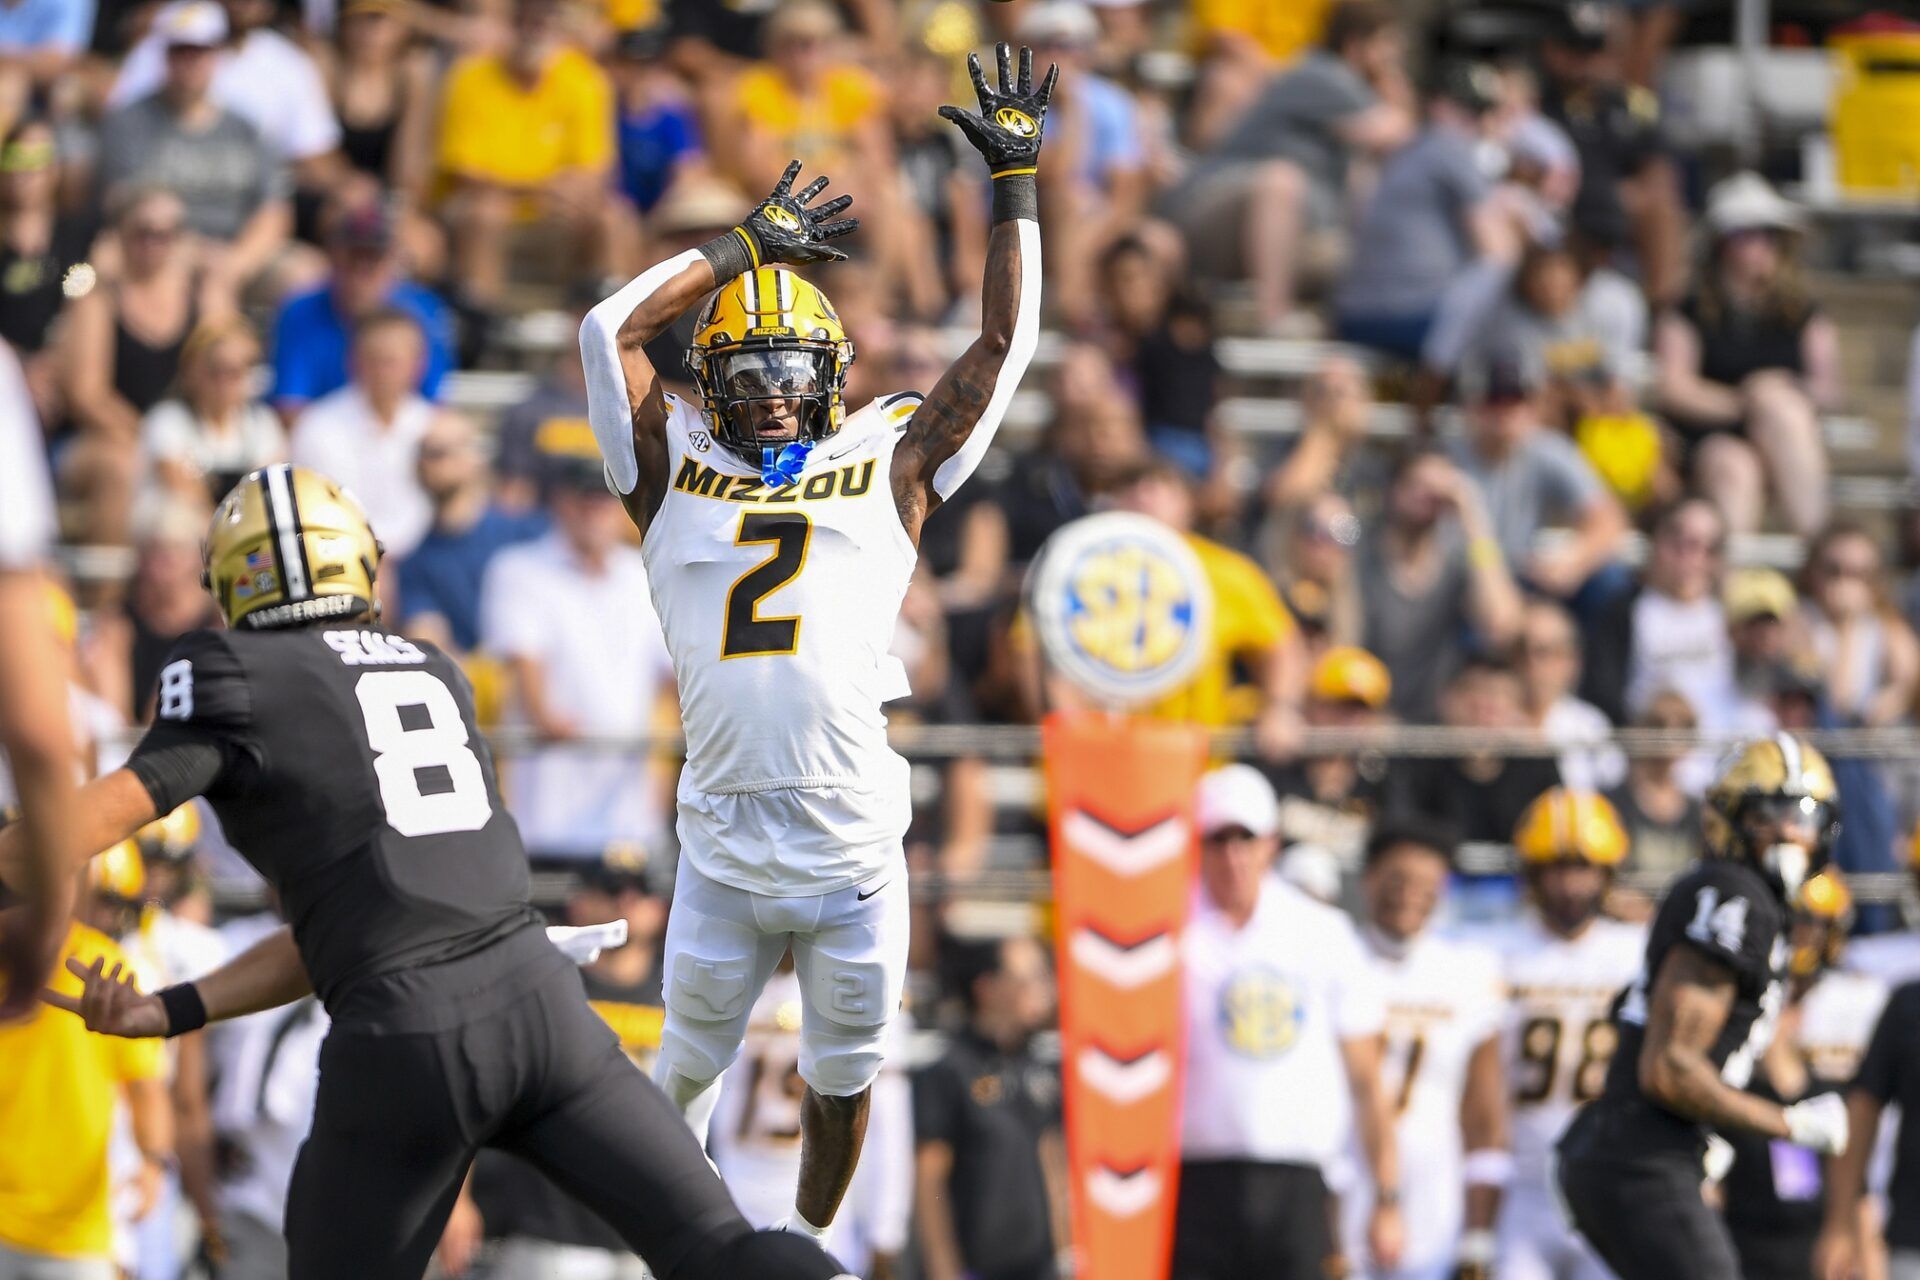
{"points": [[431, 783], [747, 634]]}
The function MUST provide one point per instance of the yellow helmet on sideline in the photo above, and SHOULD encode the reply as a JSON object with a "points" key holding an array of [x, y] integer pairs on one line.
{"points": [[1825, 900], [172, 837], [118, 872], [287, 547], [769, 335], [1563, 825]]}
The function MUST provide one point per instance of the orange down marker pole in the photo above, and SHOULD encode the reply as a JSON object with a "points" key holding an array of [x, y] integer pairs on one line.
{"points": [[1120, 811]]}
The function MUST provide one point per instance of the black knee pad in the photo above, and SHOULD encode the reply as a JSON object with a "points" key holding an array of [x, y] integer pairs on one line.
{"points": [[770, 1255]]}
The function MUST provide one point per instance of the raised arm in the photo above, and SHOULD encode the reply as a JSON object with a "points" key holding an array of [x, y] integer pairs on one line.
{"points": [[625, 403], [953, 427]]}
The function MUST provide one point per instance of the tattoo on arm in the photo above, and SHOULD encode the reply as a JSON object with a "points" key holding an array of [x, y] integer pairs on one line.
{"points": [[954, 407]]}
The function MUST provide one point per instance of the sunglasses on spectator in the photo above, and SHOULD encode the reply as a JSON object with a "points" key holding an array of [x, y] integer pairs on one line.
{"points": [[1225, 836], [153, 231]]}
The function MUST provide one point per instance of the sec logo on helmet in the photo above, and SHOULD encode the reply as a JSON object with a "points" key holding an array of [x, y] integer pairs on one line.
{"points": [[781, 218], [1017, 123], [1121, 607]]}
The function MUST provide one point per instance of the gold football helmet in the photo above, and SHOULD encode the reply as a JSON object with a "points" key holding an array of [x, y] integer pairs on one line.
{"points": [[765, 336], [1563, 825], [171, 838], [1826, 903], [1769, 791], [287, 547], [118, 872]]}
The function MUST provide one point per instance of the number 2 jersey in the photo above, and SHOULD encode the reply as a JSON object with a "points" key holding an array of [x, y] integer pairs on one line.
{"points": [[1727, 911], [779, 604], [345, 765]]}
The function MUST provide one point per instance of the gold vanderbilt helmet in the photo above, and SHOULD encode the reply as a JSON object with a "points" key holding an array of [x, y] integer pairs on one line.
{"points": [[1563, 825], [1826, 905], [1775, 805], [287, 547], [769, 336]]}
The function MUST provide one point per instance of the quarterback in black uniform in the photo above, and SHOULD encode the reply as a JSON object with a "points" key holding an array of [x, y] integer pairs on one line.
{"points": [[344, 763], [1692, 1025]]}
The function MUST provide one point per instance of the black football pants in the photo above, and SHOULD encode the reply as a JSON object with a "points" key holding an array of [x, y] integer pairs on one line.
{"points": [[400, 1115], [1646, 1219], [1251, 1220]]}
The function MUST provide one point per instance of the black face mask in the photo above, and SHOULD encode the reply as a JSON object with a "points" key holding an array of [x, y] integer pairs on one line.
{"points": [[745, 379]]}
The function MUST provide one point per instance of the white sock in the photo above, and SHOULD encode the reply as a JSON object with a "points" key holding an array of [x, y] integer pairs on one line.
{"points": [[798, 1223]]}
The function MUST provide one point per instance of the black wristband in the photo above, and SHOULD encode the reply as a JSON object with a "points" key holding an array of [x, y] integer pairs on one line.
{"points": [[730, 255], [1015, 196], [185, 1010]]}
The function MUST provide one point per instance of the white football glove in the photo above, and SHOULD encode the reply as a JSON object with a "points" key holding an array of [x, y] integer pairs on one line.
{"points": [[1819, 1123], [583, 944]]}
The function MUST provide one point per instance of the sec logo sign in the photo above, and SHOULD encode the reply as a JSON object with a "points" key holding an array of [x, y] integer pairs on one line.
{"points": [[1121, 607]]}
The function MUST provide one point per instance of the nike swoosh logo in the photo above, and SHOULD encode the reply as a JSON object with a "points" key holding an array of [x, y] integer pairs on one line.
{"points": [[862, 897]]}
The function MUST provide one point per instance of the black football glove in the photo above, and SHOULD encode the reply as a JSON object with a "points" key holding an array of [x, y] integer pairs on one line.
{"points": [[1007, 131], [782, 229]]}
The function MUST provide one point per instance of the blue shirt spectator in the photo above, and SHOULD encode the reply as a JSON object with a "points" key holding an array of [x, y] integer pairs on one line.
{"points": [[33, 26], [313, 331], [443, 575], [652, 141], [311, 336], [439, 581], [657, 127]]}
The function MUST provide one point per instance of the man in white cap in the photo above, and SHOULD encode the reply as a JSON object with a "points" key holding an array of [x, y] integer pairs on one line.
{"points": [[1285, 1023], [179, 137]]}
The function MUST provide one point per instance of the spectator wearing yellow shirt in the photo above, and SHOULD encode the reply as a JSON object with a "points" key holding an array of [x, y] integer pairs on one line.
{"points": [[1252, 630], [809, 101], [528, 132], [1240, 42], [58, 1094]]}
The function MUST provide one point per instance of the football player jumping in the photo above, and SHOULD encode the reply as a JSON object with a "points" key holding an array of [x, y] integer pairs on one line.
{"points": [[780, 531]]}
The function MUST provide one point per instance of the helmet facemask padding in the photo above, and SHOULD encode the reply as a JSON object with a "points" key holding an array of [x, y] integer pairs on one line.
{"points": [[741, 379]]}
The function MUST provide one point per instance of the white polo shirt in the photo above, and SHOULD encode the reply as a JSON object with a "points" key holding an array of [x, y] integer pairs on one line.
{"points": [[604, 662], [1267, 1006], [26, 499], [338, 436]]}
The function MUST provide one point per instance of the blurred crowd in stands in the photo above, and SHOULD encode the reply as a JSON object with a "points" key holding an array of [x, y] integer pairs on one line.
{"points": [[1483, 405], [1509, 496]]}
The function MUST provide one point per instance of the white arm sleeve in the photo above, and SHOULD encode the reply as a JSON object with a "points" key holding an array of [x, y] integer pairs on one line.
{"points": [[607, 407], [1026, 336]]}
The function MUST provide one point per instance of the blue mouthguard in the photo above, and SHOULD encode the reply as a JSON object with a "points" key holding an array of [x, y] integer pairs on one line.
{"points": [[783, 468]]}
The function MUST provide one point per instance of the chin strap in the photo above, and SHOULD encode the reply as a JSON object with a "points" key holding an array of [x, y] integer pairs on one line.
{"points": [[782, 467]]}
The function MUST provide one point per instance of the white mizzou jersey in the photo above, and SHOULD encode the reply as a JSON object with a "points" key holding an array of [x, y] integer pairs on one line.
{"points": [[1444, 999], [1559, 1038], [779, 605]]}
